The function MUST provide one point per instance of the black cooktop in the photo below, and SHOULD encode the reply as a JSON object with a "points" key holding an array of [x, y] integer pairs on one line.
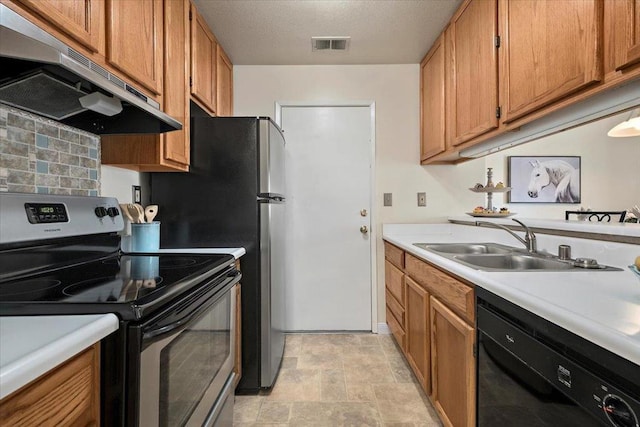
{"points": [[129, 285]]}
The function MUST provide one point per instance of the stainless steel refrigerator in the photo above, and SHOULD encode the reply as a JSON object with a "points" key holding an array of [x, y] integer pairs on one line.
{"points": [[234, 196]]}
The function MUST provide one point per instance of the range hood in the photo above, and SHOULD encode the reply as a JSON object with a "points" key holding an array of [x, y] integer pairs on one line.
{"points": [[40, 74], [607, 103]]}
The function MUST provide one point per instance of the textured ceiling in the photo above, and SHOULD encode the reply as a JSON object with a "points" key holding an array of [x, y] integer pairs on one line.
{"points": [[278, 32]]}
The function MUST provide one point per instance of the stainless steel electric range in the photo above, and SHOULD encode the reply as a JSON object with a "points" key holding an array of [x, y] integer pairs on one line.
{"points": [[171, 360]]}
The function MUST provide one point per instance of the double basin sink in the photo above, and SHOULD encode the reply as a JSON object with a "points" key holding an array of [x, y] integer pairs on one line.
{"points": [[497, 257]]}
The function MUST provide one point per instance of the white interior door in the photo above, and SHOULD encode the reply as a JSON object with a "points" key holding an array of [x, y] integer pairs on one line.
{"points": [[328, 175]]}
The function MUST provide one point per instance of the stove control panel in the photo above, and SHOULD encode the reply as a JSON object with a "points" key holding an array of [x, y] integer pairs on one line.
{"points": [[29, 217], [39, 213]]}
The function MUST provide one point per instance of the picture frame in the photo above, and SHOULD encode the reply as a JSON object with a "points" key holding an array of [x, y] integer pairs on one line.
{"points": [[544, 179]]}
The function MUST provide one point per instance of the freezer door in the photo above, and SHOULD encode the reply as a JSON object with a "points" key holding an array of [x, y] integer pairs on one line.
{"points": [[271, 160], [272, 237]]}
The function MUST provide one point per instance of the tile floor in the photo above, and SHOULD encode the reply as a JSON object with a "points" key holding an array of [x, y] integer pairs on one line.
{"points": [[339, 380]]}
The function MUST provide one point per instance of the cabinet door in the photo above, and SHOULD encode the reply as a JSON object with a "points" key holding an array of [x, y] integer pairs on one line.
{"points": [[432, 101], [134, 40], [551, 49], [67, 395], [627, 25], [83, 20], [453, 374], [203, 62], [417, 331], [475, 70], [176, 89], [224, 71]]}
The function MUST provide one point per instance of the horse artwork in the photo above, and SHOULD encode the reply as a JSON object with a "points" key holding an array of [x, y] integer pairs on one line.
{"points": [[545, 179]]}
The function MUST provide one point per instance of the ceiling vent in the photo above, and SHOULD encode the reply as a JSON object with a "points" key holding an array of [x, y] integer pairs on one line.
{"points": [[330, 43]]}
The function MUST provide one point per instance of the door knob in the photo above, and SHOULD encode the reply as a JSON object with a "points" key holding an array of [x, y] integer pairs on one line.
{"points": [[364, 229], [363, 212]]}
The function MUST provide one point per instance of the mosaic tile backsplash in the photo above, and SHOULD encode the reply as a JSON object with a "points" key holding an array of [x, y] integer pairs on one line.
{"points": [[38, 155]]}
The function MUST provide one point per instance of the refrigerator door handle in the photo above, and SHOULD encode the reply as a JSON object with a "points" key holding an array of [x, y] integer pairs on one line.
{"points": [[271, 196], [274, 200]]}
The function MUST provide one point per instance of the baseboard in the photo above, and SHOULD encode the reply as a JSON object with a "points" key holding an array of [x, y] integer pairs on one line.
{"points": [[383, 329]]}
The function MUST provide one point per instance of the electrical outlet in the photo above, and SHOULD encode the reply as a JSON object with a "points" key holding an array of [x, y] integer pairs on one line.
{"points": [[422, 199], [387, 199], [136, 194]]}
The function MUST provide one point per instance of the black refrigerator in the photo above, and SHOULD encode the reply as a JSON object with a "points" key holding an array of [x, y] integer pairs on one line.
{"points": [[234, 196]]}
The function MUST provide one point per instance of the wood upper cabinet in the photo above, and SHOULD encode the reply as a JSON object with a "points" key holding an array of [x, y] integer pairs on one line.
{"points": [[176, 78], [417, 332], [551, 49], [452, 366], [224, 72], [135, 41], [474, 71], [168, 151], [67, 395], [83, 20], [623, 28], [432, 101], [203, 62]]}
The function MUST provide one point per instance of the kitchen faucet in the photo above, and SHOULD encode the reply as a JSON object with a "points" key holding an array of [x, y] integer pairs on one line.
{"points": [[529, 240]]}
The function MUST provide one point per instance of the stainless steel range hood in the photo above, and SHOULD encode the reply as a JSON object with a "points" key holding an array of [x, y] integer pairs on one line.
{"points": [[38, 73]]}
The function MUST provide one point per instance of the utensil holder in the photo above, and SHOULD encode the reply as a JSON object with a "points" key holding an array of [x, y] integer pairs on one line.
{"points": [[145, 237]]}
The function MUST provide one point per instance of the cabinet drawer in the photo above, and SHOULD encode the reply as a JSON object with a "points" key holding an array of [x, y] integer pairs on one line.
{"points": [[455, 294], [394, 254], [396, 329], [393, 279], [395, 307], [67, 395]]}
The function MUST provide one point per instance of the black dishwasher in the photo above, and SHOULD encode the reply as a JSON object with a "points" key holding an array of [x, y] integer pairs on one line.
{"points": [[532, 373]]}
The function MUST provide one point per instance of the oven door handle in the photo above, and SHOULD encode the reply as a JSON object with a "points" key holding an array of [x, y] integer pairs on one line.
{"points": [[159, 330]]}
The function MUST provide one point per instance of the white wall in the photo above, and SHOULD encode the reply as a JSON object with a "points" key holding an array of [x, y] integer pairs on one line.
{"points": [[610, 175], [396, 92], [117, 182]]}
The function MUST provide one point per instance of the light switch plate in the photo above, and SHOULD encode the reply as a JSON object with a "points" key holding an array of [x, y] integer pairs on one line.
{"points": [[136, 194], [422, 199], [387, 199]]}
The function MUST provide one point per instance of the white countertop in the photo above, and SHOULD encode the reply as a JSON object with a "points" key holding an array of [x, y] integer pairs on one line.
{"points": [[33, 345], [601, 306], [236, 252]]}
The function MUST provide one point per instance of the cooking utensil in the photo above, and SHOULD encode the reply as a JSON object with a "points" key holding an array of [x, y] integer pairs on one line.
{"points": [[140, 212], [125, 211], [133, 211], [150, 212]]}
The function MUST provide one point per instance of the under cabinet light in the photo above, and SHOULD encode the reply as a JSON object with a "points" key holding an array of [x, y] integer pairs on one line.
{"points": [[630, 127]]}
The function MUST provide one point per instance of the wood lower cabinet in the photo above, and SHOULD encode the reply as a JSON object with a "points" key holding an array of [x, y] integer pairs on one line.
{"points": [[203, 62], [474, 74], [168, 151], [434, 325], [224, 91], [135, 41], [67, 395], [417, 332], [83, 20], [452, 366], [433, 75], [551, 49], [237, 363]]}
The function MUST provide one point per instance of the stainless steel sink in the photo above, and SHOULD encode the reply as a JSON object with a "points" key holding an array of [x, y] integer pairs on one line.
{"points": [[497, 257], [467, 248], [513, 262]]}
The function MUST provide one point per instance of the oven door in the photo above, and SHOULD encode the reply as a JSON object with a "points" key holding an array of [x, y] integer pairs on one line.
{"points": [[186, 361]]}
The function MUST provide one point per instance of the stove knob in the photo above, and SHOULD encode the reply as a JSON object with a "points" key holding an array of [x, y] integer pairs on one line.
{"points": [[113, 212], [619, 412], [100, 212]]}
